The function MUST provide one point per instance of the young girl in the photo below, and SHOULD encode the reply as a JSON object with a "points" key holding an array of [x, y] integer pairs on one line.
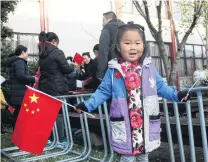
{"points": [[133, 83]]}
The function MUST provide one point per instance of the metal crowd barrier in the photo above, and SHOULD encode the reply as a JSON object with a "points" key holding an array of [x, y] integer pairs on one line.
{"points": [[190, 127], [51, 151]]}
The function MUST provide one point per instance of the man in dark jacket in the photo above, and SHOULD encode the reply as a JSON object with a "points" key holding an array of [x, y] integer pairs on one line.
{"points": [[18, 77], [107, 37]]}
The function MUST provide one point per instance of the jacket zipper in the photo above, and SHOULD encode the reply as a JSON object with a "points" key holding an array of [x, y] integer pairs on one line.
{"points": [[129, 118], [142, 109]]}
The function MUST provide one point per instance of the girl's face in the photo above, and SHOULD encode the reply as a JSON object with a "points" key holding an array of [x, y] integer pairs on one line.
{"points": [[131, 46]]}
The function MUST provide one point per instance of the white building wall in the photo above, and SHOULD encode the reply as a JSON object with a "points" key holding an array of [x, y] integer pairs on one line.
{"points": [[78, 23]]}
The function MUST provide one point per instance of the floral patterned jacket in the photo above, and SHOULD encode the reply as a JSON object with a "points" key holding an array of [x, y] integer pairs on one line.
{"points": [[113, 86]]}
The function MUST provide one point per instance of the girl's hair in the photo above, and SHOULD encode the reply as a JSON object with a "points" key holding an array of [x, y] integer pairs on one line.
{"points": [[43, 37], [19, 49], [121, 30]]}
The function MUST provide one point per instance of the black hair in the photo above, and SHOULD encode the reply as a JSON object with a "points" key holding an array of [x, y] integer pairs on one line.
{"points": [[86, 54], [43, 37], [19, 49], [121, 30], [110, 15], [96, 47], [69, 58]]}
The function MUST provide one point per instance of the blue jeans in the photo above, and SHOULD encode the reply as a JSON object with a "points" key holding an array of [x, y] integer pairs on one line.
{"points": [[137, 158]]}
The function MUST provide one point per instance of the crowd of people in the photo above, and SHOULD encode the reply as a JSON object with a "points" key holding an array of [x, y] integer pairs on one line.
{"points": [[121, 71]]}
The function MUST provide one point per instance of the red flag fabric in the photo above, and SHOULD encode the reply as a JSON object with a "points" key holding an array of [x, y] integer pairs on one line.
{"points": [[35, 121], [78, 59], [37, 75], [11, 109]]}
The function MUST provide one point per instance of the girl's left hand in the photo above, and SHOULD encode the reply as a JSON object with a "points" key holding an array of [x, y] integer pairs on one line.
{"points": [[183, 97]]}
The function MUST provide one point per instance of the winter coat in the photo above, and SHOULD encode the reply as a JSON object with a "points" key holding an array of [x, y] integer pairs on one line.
{"points": [[114, 86], [106, 41], [92, 82], [53, 68], [18, 77], [72, 78], [3, 101]]}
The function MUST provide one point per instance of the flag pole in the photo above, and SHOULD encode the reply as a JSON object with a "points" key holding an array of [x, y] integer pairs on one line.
{"points": [[76, 108], [60, 101]]}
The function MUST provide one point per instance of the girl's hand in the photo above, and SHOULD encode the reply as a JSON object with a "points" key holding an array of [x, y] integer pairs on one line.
{"points": [[78, 110], [82, 70], [183, 97]]}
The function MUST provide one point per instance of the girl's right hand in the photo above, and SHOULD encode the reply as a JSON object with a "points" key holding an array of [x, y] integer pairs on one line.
{"points": [[78, 110]]}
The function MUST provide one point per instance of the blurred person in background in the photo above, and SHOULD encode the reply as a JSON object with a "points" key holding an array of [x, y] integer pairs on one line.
{"points": [[53, 70], [18, 77]]}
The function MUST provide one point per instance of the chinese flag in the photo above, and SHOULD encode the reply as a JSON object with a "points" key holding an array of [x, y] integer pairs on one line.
{"points": [[78, 59], [35, 121]]}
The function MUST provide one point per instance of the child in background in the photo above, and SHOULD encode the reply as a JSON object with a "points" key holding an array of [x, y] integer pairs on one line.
{"points": [[3, 104], [133, 83], [3, 101]]}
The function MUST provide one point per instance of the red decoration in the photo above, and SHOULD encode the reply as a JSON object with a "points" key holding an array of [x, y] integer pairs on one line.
{"points": [[78, 59], [118, 75], [132, 80], [136, 119]]}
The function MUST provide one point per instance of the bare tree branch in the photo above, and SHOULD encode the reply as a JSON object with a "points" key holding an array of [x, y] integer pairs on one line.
{"points": [[173, 23], [146, 17], [196, 16], [159, 16], [151, 27], [139, 9]]}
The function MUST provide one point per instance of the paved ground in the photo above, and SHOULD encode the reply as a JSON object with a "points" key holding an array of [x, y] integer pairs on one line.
{"points": [[162, 154], [159, 155]]}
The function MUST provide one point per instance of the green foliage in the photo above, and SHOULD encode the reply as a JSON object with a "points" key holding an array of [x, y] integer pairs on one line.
{"points": [[6, 8], [6, 49], [33, 66], [6, 33]]}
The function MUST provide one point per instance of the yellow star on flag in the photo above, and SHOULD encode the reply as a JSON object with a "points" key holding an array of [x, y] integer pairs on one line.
{"points": [[33, 98]]}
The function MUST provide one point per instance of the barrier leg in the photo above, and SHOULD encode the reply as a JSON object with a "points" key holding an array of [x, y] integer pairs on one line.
{"points": [[103, 137], [179, 134], [8, 156], [168, 130], [84, 140], [108, 131], [52, 146], [190, 130], [203, 127], [88, 141]]}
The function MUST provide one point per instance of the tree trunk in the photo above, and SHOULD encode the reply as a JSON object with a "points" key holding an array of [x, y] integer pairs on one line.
{"points": [[163, 55], [176, 65], [207, 46]]}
